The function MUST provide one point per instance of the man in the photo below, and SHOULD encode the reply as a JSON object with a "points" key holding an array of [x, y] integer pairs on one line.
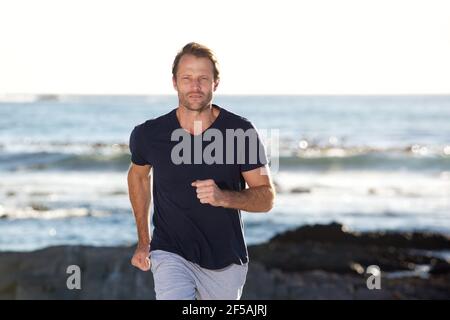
{"points": [[197, 249]]}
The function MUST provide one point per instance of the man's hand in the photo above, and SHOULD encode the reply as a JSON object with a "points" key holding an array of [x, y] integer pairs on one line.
{"points": [[209, 192], [141, 258]]}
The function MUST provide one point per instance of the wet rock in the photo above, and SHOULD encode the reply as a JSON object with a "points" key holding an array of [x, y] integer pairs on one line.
{"points": [[311, 262], [334, 249], [439, 267]]}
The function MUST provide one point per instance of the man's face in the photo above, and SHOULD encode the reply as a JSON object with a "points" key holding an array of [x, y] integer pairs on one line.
{"points": [[194, 82]]}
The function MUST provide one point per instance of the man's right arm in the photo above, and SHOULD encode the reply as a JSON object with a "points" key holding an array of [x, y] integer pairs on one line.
{"points": [[140, 197]]}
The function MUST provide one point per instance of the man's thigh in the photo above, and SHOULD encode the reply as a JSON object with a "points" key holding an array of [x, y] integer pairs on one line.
{"points": [[172, 277], [223, 284]]}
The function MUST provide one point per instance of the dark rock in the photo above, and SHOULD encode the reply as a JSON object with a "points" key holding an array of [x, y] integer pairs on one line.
{"points": [[439, 267], [332, 248], [318, 262], [39, 206], [337, 233], [106, 273]]}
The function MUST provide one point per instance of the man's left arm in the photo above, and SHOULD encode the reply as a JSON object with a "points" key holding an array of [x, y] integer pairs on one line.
{"points": [[258, 197]]}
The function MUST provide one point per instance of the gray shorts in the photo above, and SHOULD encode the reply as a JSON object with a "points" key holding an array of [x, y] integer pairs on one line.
{"points": [[179, 279]]}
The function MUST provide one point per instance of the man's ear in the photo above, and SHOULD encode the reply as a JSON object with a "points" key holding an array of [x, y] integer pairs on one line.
{"points": [[216, 84], [174, 83]]}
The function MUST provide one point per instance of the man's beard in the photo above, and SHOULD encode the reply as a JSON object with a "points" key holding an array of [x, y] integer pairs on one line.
{"points": [[198, 105]]}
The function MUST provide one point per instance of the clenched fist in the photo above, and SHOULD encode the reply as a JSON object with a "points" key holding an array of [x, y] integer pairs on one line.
{"points": [[209, 192], [141, 258]]}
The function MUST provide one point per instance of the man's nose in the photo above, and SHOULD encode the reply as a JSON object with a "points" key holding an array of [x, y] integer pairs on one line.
{"points": [[195, 83]]}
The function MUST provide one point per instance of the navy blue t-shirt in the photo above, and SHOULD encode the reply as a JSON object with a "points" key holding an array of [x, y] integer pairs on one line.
{"points": [[212, 237]]}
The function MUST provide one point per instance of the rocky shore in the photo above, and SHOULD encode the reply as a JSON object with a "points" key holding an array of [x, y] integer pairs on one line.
{"points": [[310, 262]]}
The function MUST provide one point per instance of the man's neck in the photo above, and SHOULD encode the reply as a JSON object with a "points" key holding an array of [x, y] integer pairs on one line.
{"points": [[188, 118]]}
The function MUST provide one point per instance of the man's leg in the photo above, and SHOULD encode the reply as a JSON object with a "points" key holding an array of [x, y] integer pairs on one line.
{"points": [[172, 277], [222, 284]]}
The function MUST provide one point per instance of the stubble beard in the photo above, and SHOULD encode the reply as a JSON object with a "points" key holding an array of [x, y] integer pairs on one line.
{"points": [[199, 105]]}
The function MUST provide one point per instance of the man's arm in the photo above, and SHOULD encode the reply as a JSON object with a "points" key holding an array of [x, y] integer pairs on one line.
{"points": [[140, 197], [259, 197]]}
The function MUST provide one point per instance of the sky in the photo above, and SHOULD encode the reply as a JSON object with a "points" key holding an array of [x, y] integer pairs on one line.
{"points": [[263, 47]]}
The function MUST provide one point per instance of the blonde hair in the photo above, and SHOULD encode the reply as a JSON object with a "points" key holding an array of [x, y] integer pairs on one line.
{"points": [[199, 51]]}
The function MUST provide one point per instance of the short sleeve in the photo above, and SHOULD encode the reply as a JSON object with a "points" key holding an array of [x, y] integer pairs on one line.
{"points": [[136, 147], [255, 152]]}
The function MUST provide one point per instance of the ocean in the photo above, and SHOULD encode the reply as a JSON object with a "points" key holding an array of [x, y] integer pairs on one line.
{"points": [[368, 162]]}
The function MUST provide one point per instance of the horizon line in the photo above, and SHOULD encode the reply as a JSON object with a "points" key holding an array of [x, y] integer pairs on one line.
{"points": [[4, 95]]}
